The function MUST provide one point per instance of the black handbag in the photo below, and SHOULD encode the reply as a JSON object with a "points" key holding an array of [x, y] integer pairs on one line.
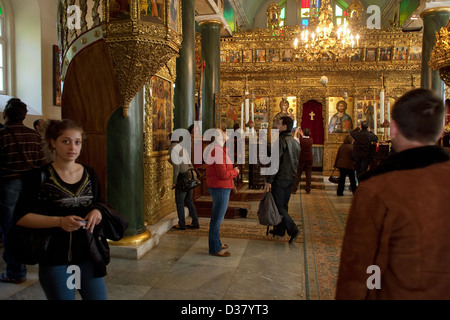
{"points": [[26, 245], [333, 179], [189, 179]]}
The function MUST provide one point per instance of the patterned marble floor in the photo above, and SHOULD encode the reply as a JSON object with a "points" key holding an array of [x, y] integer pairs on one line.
{"points": [[179, 268]]}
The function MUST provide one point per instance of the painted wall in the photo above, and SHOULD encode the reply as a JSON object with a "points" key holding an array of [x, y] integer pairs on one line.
{"points": [[32, 30]]}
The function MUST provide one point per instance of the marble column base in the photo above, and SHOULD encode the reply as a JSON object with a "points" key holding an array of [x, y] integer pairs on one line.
{"points": [[136, 252]]}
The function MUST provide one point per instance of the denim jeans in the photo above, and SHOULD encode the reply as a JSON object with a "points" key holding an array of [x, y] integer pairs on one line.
{"points": [[185, 199], [9, 194], [308, 172], [361, 165], [220, 198], [54, 280], [281, 191]]}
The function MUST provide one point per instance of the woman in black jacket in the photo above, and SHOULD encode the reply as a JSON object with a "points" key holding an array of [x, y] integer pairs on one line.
{"points": [[65, 205]]}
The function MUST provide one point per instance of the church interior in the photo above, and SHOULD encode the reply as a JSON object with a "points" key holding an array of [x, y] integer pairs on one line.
{"points": [[133, 71]]}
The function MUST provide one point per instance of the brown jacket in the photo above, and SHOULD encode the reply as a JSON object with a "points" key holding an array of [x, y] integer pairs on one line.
{"points": [[400, 221], [344, 157]]}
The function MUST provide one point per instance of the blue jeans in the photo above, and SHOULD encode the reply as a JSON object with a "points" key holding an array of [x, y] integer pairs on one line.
{"points": [[281, 191], [9, 194], [361, 165], [220, 198], [182, 199], [54, 280]]}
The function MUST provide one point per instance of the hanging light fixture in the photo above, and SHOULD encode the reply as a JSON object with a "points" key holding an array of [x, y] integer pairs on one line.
{"points": [[323, 39]]}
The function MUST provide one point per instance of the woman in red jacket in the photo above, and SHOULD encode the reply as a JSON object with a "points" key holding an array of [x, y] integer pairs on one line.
{"points": [[219, 179]]}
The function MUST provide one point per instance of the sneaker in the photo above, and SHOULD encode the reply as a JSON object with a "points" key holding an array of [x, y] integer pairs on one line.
{"points": [[177, 227], [193, 226], [4, 278]]}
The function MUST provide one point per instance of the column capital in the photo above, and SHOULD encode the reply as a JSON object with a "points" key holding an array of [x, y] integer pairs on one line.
{"points": [[214, 19], [433, 7]]}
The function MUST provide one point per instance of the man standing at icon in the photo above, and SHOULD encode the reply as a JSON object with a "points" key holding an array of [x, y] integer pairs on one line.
{"points": [[340, 122]]}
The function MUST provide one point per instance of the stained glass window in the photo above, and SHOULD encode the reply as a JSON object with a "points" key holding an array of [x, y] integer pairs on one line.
{"points": [[305, 12], [340, 15]]}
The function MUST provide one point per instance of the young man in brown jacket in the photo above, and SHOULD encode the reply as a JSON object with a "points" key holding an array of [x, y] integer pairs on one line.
{"points": [[397, 240]]}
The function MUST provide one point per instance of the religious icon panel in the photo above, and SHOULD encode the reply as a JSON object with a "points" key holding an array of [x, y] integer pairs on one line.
{"points": [[161, 100], [340, 115], [283, 106], [365, 111], [152, 10], [261, 112]]}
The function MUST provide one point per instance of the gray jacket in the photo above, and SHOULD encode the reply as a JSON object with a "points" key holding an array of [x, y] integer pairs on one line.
{"points": [[289, 154], [181, 155]]}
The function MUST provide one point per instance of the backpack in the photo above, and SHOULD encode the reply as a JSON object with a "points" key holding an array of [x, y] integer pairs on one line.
{"points": [[268, 212]]}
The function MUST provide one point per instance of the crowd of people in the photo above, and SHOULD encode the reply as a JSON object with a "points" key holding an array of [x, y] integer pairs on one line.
{"points": [[397, 224]]}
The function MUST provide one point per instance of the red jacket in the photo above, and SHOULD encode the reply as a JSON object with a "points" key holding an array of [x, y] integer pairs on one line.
{"points": [[219, 175], [306, 155]]}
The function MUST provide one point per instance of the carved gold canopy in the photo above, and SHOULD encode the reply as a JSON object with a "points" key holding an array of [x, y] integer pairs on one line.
{"points": [[142, 36], [440, 56], [141, 40]]}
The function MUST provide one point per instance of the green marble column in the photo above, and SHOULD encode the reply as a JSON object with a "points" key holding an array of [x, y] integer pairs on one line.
{"points": [[184, 92], [125, 165], [210, 33], [433, 20]]}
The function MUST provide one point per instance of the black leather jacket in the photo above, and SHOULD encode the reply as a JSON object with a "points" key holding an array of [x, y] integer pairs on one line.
{"points": [[289, 154], [362, 144]]}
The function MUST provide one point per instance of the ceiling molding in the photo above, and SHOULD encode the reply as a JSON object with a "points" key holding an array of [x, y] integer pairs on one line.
{"points": [[241, 16], [225, 31]]}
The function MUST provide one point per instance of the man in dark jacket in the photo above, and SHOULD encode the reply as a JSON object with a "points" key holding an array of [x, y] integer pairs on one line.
{"points": [[362, 147], [20, 151], [282, 182]]}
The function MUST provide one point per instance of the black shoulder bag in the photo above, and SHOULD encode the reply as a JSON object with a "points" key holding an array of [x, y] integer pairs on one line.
{"points": [[27, 245], [189, 179]]}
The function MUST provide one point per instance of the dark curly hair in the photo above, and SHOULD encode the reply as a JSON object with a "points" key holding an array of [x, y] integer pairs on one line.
{"points": [[55, 128], [16, 110]]}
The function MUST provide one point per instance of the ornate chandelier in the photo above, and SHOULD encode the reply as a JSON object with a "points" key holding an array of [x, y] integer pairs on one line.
{"points": [[323, 39]]}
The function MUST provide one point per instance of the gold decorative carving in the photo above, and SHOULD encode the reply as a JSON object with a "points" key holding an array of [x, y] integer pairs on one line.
{"points": [[440, 56], [158, 193], [139, 49], [134, 62], [159, 197], [273, 16], [355, 10], [298, 78]]}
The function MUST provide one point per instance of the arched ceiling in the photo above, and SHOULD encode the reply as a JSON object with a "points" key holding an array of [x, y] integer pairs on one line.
{"points": [[246, 11]]}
